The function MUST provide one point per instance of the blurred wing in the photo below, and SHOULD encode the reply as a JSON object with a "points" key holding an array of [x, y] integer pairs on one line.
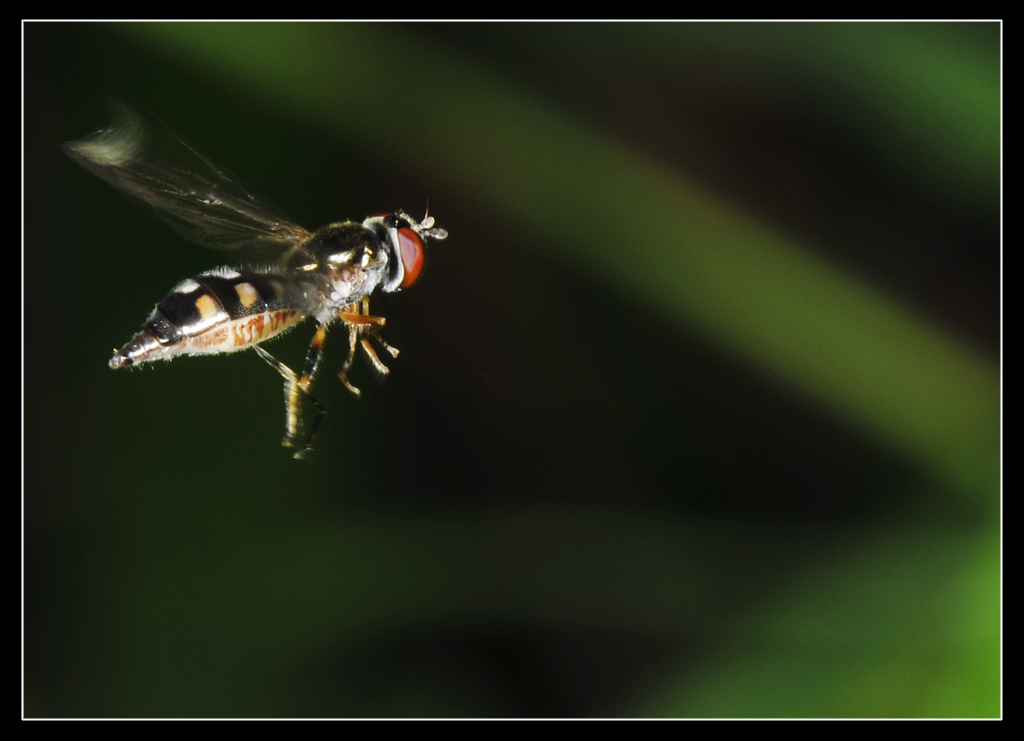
{"points": [[200, 199]]}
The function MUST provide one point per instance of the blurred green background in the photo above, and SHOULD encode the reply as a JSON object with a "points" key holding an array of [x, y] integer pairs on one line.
{"points": [[697, 412]]}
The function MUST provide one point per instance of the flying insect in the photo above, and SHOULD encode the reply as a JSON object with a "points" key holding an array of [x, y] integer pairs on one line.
{"points": [[327, 275]]}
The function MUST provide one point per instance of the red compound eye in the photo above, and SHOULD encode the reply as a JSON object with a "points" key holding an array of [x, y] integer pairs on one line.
{"points": [[412, 256]]}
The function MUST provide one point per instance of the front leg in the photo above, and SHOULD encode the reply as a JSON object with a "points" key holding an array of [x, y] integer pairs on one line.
{"points": [[361, 327]]}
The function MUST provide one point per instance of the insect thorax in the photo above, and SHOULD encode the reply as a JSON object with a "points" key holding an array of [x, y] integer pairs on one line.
{"points": [[349, 260]]}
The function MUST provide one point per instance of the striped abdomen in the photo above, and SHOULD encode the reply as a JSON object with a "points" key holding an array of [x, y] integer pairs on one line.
{"points": [[220, 311]]}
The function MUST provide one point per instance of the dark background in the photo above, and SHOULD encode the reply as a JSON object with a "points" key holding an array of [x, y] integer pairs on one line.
{"points": [[697, 411]]}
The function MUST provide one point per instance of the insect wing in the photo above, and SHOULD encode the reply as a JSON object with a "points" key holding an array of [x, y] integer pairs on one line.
{"points": [[200, 199]]}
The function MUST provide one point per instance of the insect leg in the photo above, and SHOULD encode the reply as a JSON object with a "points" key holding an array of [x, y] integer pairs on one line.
{"points": [[292, 386], [361, 327], [312, 361], [353, 338], [313, 358], [371, 354], [291, 395]]}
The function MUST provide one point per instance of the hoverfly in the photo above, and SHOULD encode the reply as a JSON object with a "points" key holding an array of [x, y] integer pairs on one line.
{"points": [[327, 275]]}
